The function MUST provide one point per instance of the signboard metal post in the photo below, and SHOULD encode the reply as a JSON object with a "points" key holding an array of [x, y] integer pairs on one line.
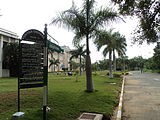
{"points": [[45, 94], [33, 64], [19, 75]]}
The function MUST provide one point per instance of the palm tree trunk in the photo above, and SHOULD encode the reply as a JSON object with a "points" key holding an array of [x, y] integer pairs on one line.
{"points": [[59, 63], [89, 81], [88, 68], [110, 64], [54, 68], [124, 68], [114, 61]]}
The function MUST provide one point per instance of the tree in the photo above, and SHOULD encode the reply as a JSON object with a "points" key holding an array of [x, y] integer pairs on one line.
{"points": [[74, 65], [150, 64], [156, 57], [103, 64], [105, 38], [148, 12], [54, 62], [11, 58], [136, 63], [112, 42], [119, 46], [125, 63], [84, 22], [78, 52]]}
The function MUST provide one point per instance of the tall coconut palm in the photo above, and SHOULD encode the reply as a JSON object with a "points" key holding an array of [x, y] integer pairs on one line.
{"points": [[84, 22], [105, 38], [112, 42], [119, 46]]}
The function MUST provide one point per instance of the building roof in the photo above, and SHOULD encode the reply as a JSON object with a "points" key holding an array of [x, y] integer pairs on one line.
{"points": [[66, 48], [8, 33]]}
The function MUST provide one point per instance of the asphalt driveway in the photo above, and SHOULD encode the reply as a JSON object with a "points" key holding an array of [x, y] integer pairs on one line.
{"points": [[142, 96]]}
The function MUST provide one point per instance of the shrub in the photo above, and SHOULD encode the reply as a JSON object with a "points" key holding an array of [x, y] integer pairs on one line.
{"points": [[94, 73], [117, 74], [76, 73], [125, 73]]}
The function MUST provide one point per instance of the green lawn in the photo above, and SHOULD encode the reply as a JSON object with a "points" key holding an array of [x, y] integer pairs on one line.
{"points": [[67, 98]]}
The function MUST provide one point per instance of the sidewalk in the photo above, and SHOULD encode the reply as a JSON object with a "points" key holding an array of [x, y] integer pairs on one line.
{"points": [[142, 97]]}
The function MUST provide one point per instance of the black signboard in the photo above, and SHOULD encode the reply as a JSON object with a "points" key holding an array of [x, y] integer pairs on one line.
{"points": [[31, 59]]}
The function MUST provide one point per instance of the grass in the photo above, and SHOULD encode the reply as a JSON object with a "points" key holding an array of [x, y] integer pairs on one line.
{"points": [[67, 98], [152, 71]]}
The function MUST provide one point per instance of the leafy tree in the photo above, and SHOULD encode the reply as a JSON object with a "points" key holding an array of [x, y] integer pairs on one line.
{"points": [[133, 64], [150, 64], [84, 22], [122, 63], [11, 58], [95, 66], [156, 57], [148, 12], [136, 63], [54, 62], [103, 64]]}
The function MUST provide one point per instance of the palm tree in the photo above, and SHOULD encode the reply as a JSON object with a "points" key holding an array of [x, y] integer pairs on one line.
{"points": [[112, 42], [54, 62], [104, 38], [119, 46], [84, 22], [79, 52], [125, 62], [74, 65]]}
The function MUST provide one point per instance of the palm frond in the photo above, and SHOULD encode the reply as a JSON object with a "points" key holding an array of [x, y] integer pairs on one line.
{"points": [[106, 51], [88, 5], [104, 16], [53, 61]]}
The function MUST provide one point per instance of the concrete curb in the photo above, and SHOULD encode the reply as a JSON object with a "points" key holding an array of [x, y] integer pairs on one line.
{"points": [[119, 112]]}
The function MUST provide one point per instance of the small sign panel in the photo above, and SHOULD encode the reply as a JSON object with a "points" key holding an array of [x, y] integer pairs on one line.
{"points": [[54, 47], [31, 59]]}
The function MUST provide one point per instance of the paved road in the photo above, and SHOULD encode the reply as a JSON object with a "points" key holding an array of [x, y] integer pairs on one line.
{"points": [[142, 97]]}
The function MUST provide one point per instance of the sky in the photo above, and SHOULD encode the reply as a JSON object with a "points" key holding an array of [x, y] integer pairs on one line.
{"points": [[21, 15]]}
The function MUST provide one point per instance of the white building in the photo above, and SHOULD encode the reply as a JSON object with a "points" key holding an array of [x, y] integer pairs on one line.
{"points": [[5, 37], [64, 59]]}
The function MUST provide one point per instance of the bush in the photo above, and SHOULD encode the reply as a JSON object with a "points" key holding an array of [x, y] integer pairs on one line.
{"points": [[125, 73], [117, 74], [94, 73], [76, 72]]}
